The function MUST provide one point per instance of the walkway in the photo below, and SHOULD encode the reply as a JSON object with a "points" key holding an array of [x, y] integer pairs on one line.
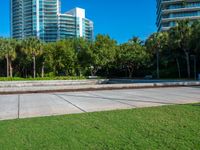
{"points": [[48, 104]]}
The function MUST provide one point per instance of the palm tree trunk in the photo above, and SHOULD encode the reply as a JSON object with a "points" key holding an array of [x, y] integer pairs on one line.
{"points": [[11, 69], [178, 68], [130, 75], [43, 70], [26, 73], [34, 66], [158, 65], [130, 72], [188, 64], [107, 72], [195, 68], [7, 62], [94, 71]]}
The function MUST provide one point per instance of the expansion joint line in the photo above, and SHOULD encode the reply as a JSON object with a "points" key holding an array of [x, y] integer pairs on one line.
{"points": [[118, 101], [70, 102], [18, 110]]}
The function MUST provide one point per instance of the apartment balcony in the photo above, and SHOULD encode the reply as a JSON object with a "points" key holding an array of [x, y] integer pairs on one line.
{"points": [[165, 3], [169, 11], [165, 28], [164, 20], [170, 2]]}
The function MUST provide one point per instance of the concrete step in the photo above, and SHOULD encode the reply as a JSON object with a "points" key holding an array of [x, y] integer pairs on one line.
{"points": [[91, 87], [5, 84]]}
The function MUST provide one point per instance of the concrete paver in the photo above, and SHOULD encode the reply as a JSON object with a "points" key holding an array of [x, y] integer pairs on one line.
{"points": [[44, 105], [47, 104], [8, 107], [179, 95], [171, 97], [90, 103], [134, 96]]}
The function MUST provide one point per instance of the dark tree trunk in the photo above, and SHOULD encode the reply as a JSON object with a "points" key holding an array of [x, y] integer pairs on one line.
{"points": [[188, 64], [130, 72], [11, 69], [94, 71], [107, 72], [7, 63], [43, 70], [178, 68], [157, 64], [26, 73], [34, 66]]}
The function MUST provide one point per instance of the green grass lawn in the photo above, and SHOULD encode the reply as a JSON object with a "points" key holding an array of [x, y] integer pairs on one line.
{"points": [[167, 127]]}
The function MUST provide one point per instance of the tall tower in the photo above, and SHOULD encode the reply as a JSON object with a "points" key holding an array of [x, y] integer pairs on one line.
{"points": [[38, 18], [44, 20], [17, 19], [170, 11]]}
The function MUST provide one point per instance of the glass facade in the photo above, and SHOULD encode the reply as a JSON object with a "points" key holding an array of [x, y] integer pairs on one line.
{"points": [[68, 28], [74, 24], [17, 19], [88, 29], [42, 19], [169, 11]]}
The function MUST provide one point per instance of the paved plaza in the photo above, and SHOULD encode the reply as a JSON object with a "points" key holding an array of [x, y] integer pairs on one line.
{"points": [[49, 104]]}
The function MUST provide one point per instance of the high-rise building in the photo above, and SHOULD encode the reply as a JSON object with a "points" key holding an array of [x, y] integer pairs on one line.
{"points": [[170, 11], [43, 19], [74, 24]]}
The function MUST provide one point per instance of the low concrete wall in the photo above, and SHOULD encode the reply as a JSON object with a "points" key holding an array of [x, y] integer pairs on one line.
{"points": [[126, 81], [5, 84], [88, 87]]}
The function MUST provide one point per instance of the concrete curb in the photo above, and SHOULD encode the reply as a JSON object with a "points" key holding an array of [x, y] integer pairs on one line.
{"points": [[8, 84], [72, 88]]}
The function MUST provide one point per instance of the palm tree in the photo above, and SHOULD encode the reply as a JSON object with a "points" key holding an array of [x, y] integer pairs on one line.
{"points": [[33, 48], [8, 51], [195, 38], [12, 54], [1, 48], [174, 49], [182, 37], [156, 43], [195, 43], [135, 40]]}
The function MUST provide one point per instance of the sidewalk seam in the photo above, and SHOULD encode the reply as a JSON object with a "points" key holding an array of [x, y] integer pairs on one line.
{"points": [[18, 112], [112, 100], [70, 103]]}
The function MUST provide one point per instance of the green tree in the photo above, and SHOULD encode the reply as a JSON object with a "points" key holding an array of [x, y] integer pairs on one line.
{"points": [[195, 38], [61, 57], [155, 44], [1, 49], [32, 47], [8, 51], [83, 50], [182, 38], [195, 44], [132, 55], [175, 50], [103, 52]]}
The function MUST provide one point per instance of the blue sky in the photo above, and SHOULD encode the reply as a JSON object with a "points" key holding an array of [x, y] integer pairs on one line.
{"points": [[121, 19]]}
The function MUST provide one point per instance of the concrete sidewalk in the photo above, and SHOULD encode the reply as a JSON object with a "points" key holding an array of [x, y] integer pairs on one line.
{"points": [[36, 105]]}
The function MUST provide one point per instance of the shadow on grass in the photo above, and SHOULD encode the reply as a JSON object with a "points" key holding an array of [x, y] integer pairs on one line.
{"points": [[197, 105]]}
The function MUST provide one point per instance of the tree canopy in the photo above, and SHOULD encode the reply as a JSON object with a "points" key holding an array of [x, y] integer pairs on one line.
{"points": [[169, 54]]}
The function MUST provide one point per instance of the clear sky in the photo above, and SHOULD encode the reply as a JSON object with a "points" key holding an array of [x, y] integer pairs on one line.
{"points": [[121, 19]]}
